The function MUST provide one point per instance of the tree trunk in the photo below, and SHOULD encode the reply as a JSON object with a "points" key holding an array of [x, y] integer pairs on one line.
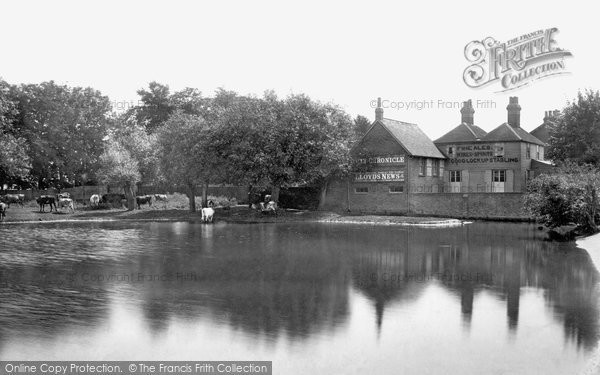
{"points": [[205, 194], [323, 194], [590, 215], [275, 193], [129, 195], [191, 193]]}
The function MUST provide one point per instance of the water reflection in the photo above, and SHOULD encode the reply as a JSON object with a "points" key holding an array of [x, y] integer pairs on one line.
{"points": [[295, 281]]}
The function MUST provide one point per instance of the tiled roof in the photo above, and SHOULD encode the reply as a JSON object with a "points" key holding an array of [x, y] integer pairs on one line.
{"points": [[412, 138], [507, 133], [462, 133], [542, 132]]}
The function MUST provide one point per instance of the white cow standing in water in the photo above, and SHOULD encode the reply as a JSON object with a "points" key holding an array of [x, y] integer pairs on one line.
{"points": [[207, 214]]}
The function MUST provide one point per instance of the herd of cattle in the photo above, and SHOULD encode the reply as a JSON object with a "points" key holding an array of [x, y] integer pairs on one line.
{"points": [[64, 201]]}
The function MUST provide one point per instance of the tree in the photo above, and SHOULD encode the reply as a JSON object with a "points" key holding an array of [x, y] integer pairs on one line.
{"points": [[64, 128], [158, 104], [140, 145], [186, 155], [567, 197], [118, 167], [277, 143], [576, 134], [156, 108], [361, 125], [14, 161]]}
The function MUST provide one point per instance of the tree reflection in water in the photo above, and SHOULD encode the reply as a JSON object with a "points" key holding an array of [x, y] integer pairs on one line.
{"points": [[274, 280]]}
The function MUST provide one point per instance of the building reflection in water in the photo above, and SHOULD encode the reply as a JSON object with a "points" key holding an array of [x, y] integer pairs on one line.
{"points": [[503, 258], [293, 280]]}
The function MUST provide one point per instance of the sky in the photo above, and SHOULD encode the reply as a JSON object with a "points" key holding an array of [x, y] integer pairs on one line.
{"points": [[348, 53]]}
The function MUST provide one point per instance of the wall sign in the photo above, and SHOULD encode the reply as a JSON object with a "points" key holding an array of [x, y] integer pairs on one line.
{"points": [[380, 176], [480, 154], [382, 160], [483, 160]]}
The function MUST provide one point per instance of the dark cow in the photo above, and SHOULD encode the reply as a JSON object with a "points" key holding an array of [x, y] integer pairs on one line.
{"points": [[3, 207], [143, 199], [46, 200], [13, 198], [114, 199]]}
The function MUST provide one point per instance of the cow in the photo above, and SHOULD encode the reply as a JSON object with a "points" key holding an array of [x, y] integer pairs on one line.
{"points": [[63, 196], [143, 199], [13, 198], [207, 214], [162, 198], [66, 202], [3, 207], [94, 200], [268, 208], [44, 200]]}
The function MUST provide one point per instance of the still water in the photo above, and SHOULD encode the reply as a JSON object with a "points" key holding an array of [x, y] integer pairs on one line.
{"points": [[485, 298]]}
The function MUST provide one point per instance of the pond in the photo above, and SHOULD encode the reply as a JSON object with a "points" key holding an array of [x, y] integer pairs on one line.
{"points": [[313, 298]]}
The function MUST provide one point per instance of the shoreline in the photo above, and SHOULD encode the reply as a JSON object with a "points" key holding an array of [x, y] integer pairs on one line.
{"points": [[233, 215]]}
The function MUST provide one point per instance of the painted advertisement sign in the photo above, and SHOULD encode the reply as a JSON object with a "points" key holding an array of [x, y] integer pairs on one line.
{"points": [[380, 176]]}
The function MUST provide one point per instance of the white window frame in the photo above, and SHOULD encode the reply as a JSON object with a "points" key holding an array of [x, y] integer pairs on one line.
{"points": [[500, 174], [455, 176], [423, 167]]}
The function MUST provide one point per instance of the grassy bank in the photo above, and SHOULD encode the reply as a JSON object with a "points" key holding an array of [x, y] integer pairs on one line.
{"points": [[231, 214]]}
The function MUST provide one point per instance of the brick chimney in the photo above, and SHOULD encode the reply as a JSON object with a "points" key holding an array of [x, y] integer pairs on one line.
{"points": [[551, 115], [378, 110], [514, 112], [466, 112]]}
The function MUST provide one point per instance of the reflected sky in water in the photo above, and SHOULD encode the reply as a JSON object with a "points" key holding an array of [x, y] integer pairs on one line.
{"points": [[312, 298]]}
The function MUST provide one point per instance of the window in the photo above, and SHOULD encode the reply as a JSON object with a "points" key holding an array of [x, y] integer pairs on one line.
{"points": [[396, 189], [527, 151], [537, 152], [429, 164], [499, 175], [361, 189], [435, 169], [423, 167], [454, 176], [499, 149]]}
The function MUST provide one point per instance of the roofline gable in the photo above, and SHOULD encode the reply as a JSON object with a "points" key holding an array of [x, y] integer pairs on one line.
{"points": [[359, 143]]}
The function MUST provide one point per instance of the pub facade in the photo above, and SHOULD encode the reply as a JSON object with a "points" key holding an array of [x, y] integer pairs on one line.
{"points": [[468, 172], [501, 161], [393, 159]]}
